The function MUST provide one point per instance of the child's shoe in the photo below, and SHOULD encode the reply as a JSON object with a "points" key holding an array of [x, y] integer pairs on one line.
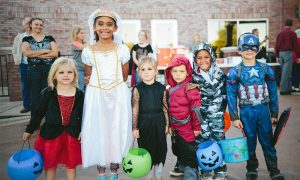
{"points": [[206, 175], [277, 177], [220, 176], [113, 176], [251, 176], [176, 171], [102, 177]]}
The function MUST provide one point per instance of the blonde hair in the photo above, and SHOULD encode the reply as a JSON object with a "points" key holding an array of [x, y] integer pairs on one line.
{"points": [[58, 63], [147, 59], [75, 33], [145, 32]]}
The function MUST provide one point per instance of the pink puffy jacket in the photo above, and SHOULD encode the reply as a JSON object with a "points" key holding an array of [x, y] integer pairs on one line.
{"points": [[184, 106]]}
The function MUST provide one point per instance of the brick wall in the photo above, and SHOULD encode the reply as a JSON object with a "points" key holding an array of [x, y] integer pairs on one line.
{"points": [[61, 16]]}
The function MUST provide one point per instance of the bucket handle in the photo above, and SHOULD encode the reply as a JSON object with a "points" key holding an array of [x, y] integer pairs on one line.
{"points": [[22, 149], [242, 130], [132, 144]]}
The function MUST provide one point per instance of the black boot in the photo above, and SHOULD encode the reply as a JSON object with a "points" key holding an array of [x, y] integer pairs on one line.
{"points": [[251, 176], [272, 167], [252, 163]]}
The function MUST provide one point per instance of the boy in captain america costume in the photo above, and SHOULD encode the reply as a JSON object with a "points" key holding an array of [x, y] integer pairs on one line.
{"points": [[254, 84]]}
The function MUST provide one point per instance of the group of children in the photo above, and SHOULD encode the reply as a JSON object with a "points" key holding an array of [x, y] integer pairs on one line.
{"points": [[97, 127]]}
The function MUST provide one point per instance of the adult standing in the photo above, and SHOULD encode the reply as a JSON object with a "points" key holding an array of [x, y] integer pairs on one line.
{"points": [[262, 49], [77, 47], [41, 50], [142, 48], [21, 60], [296, 66], [195, 43], [286, 43]]}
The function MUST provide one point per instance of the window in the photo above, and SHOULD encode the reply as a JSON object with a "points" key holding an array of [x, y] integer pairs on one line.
{"points": [[164, 33], [130, 29], [225, 33]]}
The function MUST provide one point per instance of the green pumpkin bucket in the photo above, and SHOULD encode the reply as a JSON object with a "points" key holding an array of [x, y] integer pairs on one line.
{"points": [[137, 163]]}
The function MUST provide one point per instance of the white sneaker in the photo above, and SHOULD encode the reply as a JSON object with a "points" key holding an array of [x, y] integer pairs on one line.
{"points": [[220, 176], [206, 176]]}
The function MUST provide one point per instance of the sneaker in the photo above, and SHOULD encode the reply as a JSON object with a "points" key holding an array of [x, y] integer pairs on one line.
{"points": [[277, 177], [251, 176], [25, 110], [176, 172], [206, 176], [295, 89], [220, 176]]}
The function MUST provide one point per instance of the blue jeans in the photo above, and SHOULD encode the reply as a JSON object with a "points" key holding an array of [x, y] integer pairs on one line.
{"points": [[286, 61], [24, 84], [190, 173], [81, 74], [37, 75]]}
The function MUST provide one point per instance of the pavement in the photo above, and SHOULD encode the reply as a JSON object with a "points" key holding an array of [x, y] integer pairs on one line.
{"points": [[12, 125]]}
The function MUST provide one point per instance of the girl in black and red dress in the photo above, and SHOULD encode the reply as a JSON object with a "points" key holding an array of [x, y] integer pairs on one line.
{"points": [[61, 105]]}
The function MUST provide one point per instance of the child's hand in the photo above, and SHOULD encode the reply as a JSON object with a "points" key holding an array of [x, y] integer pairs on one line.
{"points": [[136, 133], [274, 121], [191, 86], [237, 123], [26, 136], [170, 130], [79, 137], [86, 80], [167, 130], [197, 133]]}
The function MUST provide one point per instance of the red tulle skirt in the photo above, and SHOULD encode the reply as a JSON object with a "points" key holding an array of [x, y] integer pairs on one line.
{"points": [[64, 149]]}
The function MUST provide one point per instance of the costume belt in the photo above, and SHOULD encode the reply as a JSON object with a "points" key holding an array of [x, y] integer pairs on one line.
{"points": [[182, 121], [253, 103]]}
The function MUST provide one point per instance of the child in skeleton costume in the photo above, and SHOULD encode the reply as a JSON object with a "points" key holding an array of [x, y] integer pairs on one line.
{"points": [[107, 117], [184, 108], [254, 84], [211, 81]]}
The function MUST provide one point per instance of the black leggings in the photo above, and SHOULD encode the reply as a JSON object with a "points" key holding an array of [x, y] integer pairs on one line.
{"points": [[185, 151]]}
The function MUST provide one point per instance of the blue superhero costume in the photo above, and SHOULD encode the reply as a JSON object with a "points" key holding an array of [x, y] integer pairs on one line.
{"points": [[255, 87]]}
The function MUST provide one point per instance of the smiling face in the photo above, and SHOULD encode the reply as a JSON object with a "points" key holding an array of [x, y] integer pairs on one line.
{"points": [[179, 73], [248, 54], [37, 26], [203, 60], [105, 27]]}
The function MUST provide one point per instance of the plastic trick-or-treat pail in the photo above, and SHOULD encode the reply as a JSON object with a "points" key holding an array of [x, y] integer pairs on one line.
{"points": [[234, 149], [25, 164], [137, 162], [209, 155]]}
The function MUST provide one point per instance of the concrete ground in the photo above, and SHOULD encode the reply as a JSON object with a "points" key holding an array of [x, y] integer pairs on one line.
{"points": [[12, 125]]}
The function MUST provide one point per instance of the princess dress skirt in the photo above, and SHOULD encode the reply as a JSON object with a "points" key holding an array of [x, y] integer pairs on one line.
{"points": [[107, 124]]}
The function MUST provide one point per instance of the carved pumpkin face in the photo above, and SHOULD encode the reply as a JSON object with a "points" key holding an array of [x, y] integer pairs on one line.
{"points": [[137, 162], [209, 155], [26, 163]]}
